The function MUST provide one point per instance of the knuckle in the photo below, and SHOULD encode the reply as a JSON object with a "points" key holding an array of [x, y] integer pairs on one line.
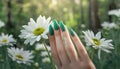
{"points": [[60, 52], [75, 39], [90, 66], [54, 55], [64, 34], [82, 51], [57, 33], [70, 49]]}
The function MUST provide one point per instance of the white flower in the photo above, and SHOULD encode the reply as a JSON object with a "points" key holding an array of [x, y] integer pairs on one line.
{"points": [[1, 24], [6, 39], [39, 68], [97, 42], [34, 31], [41, 47], [108, 26], [36, 64], [115, 12], [46, 59], [20, 56], [44, 53], [83, 26]]}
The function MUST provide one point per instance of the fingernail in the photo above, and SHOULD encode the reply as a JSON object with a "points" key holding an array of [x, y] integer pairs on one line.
{"points": [[55, 24], [62, 26], [71, 31], [51, 31]]}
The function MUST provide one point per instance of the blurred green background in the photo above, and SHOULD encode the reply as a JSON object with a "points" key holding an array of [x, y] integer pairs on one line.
{"points": [[77, 14], [74, 13]]}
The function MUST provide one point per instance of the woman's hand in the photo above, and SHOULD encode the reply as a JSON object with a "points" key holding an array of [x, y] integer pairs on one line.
{"points": [[63, 49]]}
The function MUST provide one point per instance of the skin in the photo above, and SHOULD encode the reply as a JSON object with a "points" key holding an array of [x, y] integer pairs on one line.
{"points": [[65, 54]]}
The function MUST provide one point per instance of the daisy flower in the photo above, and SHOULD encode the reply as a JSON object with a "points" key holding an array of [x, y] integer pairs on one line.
{"points": [[44, 53], [97, 42], [36, 64], [20, 56], [46, 59], [41, 47], [115, 12], [6, 39], [1, 24], [108, 26], [34, 31]]}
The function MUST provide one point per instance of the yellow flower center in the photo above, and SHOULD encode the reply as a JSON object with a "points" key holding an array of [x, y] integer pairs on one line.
{"points": [[20, 57], [38, 31], [4, 41], [96, 41]]}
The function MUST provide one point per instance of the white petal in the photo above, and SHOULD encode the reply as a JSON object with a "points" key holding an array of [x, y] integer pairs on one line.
{"points": [[99, 53], [45, 36], [32, 42], [38, 38], [98, 35], [32, 20], [107, 51]]}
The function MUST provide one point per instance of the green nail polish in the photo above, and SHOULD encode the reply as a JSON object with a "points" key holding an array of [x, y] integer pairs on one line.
{"points": [[51, 31], [72, 32], [62, 26], [55, 24]]}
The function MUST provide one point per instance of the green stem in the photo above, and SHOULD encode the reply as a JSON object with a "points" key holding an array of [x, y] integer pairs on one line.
{"points": [[53, 65], [21, 66], [15, 64], [37, 59], [102, 61], [92, 53], [6, 64]]}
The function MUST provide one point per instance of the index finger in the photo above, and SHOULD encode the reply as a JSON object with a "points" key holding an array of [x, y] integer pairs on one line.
{"points": [[54, 52]]}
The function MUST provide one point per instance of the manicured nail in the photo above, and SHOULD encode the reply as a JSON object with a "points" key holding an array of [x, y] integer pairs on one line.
{"points": [[55, 24], [71, 31], [51, 31], [62, 26]]}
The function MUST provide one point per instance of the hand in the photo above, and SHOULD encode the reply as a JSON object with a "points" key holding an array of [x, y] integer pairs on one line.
{"points": [[63, 49]]}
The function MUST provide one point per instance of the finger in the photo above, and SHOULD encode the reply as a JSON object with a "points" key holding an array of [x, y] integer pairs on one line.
{"points": [[53, 47], [69, 47], [80, 47], [59, 45]]}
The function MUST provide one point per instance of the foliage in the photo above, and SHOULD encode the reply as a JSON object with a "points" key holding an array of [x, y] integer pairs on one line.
{"points": [[69, 13]]}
